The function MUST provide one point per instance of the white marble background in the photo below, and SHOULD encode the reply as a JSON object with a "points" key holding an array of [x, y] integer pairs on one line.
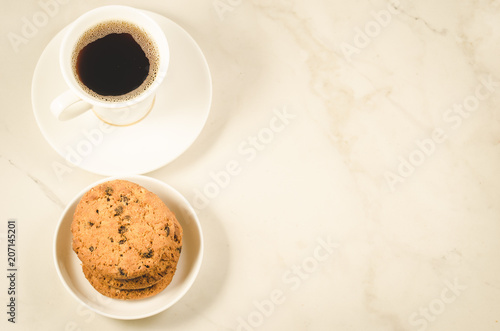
{"points": [[373, 205]]}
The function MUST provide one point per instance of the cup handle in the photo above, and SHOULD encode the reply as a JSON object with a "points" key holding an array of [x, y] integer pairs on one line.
{"points": [[68, 105]]}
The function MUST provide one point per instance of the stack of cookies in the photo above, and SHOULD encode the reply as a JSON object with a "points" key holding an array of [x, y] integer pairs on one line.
{"points": [[127, 239]]}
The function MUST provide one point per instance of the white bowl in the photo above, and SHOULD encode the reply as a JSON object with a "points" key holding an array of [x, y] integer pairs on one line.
{"points": [[69, 266]]}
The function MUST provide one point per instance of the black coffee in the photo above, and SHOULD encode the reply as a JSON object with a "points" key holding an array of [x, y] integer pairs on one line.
{"points": [[115, 61], [113, 65]]}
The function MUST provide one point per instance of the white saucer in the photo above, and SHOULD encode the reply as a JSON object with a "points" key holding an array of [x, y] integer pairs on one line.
{"points": [[181, 109], [69, 267]]}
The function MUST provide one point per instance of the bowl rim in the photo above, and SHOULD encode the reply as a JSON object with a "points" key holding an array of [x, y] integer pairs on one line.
{"points": [[193, 273]]}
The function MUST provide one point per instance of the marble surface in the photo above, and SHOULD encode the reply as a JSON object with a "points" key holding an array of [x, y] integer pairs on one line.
{"points": [[346, 179]]}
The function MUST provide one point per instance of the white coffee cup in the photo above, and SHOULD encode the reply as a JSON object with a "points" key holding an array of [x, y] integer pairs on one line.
{"points": [[77, 100]]}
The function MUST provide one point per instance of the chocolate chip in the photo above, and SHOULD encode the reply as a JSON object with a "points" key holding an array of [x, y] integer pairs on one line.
{"points": [[177, 234], [118, 211], [111, 239], [97, 211], [122, 229], [179, 249], [91, 224], [109, 191], [148, 254], [122, 241], [91, 248], [167, 230], [120, 270], [124, 199]]}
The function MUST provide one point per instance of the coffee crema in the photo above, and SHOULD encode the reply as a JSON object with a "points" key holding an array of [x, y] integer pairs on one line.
{"points": [[115, 61]]}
